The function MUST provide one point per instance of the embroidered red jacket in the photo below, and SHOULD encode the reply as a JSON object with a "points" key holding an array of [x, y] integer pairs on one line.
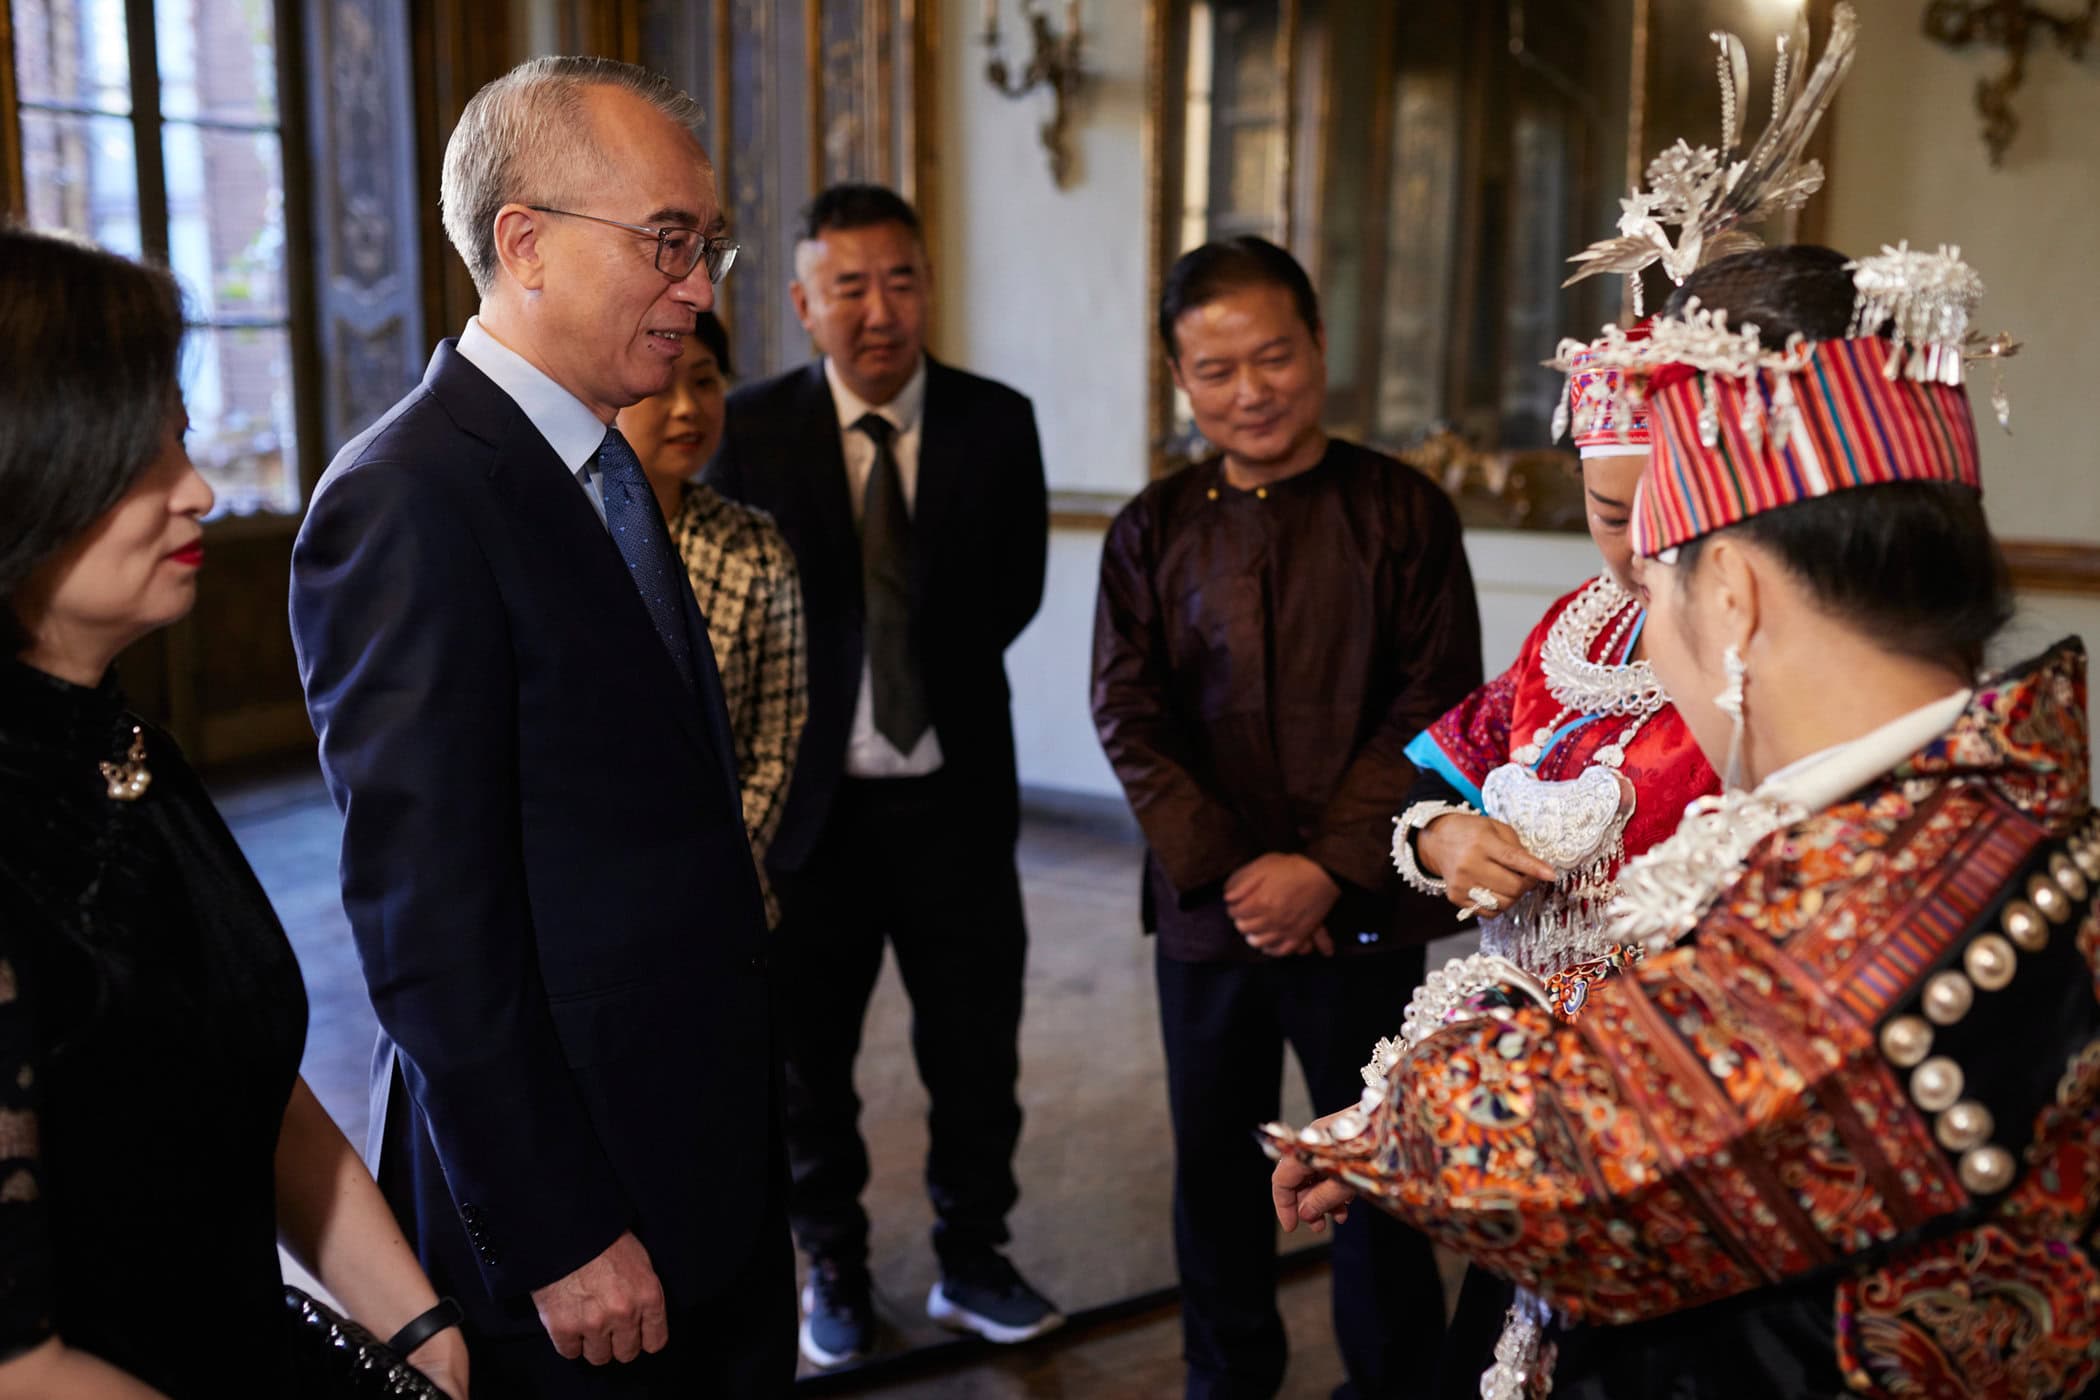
{"points": [[1876, 1058], [1476, 736]]}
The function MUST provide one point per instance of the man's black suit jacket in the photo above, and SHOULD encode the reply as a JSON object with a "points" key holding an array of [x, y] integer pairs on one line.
{"points": [[544, 864], [980, 532]]}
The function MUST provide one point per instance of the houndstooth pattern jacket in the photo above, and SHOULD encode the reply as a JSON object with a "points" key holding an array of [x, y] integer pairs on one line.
{"points": [[744, 578]]}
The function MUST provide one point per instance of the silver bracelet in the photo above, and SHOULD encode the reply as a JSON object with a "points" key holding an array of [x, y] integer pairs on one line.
{"points": [[1404, 827]]}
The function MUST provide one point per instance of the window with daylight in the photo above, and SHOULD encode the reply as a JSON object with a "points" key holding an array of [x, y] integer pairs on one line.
{"points": [[155, 128]]}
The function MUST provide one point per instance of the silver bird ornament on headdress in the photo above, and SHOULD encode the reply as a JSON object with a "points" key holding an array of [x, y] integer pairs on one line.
{"points": [[1708, 195]]}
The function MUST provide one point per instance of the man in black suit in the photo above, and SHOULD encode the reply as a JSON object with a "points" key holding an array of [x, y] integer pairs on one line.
{"points": [[912, 495], [544, 859]]}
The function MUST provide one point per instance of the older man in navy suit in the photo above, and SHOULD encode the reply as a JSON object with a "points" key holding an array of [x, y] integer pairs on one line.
{"points": [[544, 859]]}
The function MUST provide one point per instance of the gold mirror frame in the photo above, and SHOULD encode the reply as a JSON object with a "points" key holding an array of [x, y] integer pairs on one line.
{"points": [[1681, 96]]}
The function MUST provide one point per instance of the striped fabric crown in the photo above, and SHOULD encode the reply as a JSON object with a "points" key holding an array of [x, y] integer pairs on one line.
{"points": [[1606, 419], [1843, 414]]}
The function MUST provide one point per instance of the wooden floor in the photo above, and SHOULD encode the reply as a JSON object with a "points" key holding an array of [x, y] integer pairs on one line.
{"points": [[1092, 1227]]}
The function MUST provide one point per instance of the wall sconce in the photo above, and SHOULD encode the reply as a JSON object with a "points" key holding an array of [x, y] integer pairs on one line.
{"points": [[1054, 63], [2012, 25]]}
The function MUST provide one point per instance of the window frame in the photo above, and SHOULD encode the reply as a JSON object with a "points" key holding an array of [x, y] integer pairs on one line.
{"points": [[148, 127]]}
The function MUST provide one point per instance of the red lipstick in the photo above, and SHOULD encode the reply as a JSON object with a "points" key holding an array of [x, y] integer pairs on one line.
{"points": [[190, 555]]}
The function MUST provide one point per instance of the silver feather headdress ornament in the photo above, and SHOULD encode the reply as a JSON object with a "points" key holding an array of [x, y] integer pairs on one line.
{"points": [[1708, 194]]}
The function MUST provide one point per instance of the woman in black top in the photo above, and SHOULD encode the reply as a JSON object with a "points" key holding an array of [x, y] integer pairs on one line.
{"points": [[156, 1140]]}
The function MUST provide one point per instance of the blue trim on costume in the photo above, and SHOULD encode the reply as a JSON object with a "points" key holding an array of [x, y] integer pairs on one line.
{"points": [[1424, 752], [1572, 725], [1563, 732], [1633, 641]]}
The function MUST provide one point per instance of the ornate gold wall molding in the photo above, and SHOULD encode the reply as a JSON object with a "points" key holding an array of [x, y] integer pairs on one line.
{"points": [[1163, 55], [11, 198], [369, 289], [2053, 566], [2016, 27]]}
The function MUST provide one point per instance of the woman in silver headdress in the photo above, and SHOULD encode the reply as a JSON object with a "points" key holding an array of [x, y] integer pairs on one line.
{"points": [[1833, 1127]]}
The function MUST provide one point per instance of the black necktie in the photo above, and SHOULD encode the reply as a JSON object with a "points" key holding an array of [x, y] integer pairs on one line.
{"points": [[637, 526], [885, 573]]}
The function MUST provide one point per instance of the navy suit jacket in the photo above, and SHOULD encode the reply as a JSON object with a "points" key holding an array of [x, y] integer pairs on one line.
{"points": [[980, 536], [544, 864]]}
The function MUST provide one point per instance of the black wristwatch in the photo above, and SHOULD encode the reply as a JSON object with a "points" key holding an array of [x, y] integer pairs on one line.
{"points": [[423, 1326]]}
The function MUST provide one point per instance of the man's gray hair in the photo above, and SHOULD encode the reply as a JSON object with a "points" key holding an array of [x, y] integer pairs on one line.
{"points": [[522, 139]]}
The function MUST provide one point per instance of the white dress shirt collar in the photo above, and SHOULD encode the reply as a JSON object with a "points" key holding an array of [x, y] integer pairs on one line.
{"points": [[903, 411], [573, 431]]}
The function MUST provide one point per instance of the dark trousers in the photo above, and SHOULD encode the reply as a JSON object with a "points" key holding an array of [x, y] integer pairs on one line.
{"points": [[1226, 1025], [901, 860], [738, 1345]]}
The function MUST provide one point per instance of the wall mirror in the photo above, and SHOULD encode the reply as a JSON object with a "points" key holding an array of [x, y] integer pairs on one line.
{"points": [[1433, 165]]}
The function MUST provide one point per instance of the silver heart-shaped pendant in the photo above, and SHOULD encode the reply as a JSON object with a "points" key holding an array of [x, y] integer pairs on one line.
{"points": [[1562, 823]]}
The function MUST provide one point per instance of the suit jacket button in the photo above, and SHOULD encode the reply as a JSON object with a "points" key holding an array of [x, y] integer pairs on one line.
{"points": [[757, 963]]}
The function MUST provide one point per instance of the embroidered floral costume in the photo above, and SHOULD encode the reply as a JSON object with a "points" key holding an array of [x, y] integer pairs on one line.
{"points": [[1867, 1089]]}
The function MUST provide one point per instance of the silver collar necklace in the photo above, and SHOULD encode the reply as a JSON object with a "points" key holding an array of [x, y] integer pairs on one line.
{"points": [[1587, 687]]}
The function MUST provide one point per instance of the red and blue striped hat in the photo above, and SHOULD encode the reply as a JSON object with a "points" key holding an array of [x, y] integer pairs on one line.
{"points": [[1606, 419], [1728, 448], [1740, 429]]}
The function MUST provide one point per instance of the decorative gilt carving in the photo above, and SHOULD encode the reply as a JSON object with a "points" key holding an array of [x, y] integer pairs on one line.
{"points": [[369, 369], [368, 325], [12, 198], [2014, 26], [755, 136], [1534, 489], [360, 175], [839, 95], [1053, 63]]}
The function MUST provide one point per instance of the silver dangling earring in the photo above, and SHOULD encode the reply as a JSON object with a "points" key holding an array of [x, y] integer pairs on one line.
{"points": [[1730, 703]]}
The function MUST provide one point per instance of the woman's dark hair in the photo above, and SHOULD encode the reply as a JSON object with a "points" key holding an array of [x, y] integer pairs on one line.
{"points": [[1799, 287], [1912, 563], [90, 346], [1202, 275], [715, 337]]}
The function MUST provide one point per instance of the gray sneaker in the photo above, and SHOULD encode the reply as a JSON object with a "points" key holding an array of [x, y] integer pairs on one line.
{"points": [[838, 1313], [989, 1297]]}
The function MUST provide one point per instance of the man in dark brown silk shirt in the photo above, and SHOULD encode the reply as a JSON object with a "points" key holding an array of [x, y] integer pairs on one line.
{"points": [[1274, 624]]}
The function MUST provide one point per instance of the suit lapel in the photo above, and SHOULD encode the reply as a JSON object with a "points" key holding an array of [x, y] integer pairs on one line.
{"points": [[941, 467], [829, 491], [564, 533]]}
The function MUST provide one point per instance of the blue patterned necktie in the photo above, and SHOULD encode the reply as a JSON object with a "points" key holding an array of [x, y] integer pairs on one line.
{"points": [[637, 526]]}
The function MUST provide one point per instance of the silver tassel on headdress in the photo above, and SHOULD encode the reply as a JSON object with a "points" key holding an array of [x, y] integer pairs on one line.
{"points": [[1924, 303]]}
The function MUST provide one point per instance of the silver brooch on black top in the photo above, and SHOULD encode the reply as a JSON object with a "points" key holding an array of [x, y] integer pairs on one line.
{"points": [[129, 780]]}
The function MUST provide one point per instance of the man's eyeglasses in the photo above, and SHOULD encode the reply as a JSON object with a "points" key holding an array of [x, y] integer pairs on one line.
{"points": [[678, 250]]}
